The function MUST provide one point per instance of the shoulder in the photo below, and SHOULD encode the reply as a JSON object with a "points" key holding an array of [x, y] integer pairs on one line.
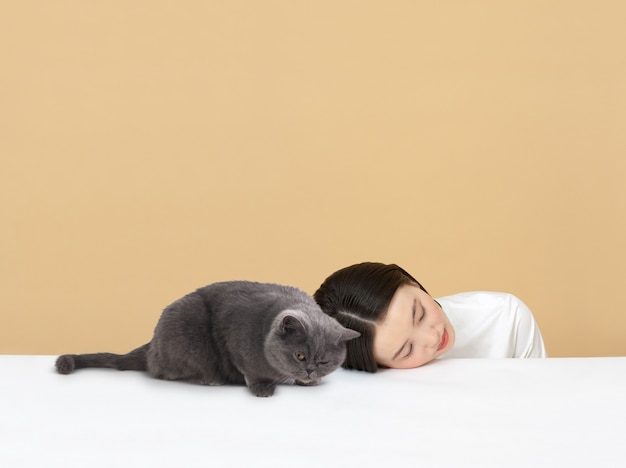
{"points": [[488, 303], [504, 315], [483, 300]]}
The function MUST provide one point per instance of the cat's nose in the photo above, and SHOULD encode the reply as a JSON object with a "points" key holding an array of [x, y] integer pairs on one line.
{"points": [[309, 371]]}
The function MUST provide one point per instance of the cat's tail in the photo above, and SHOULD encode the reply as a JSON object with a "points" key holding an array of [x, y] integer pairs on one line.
{"points": [[135, 360]]}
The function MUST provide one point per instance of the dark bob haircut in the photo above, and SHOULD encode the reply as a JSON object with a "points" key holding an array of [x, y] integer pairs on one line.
{"points": [[358, 297]]}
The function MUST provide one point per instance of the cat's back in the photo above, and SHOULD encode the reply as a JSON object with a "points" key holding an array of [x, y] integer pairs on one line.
{"points": [[253, 298]]}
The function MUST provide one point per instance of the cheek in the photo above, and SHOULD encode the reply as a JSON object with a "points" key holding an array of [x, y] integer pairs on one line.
{"points": [[417, 359], [437, 318]]}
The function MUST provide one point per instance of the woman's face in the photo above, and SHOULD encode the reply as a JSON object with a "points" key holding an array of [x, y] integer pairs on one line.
{"points": [[414, 332]]}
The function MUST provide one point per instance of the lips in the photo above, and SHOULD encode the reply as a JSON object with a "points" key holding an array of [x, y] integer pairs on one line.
{"points": [[444, 340]]}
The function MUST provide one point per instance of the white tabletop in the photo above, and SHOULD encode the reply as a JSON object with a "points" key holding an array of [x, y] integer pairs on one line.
{"points": [[451, 413]]}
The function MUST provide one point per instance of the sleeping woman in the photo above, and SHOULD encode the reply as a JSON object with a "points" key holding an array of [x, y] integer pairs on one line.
{"points": [[403, 327]]}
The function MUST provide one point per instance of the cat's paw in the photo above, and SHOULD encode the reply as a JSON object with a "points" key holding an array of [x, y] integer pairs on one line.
{"points": [[309, 383], [262, 389], [65, 364], [211, 382]]}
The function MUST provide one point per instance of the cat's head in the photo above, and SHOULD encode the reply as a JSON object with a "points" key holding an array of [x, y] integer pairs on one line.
{"points": [[306, 346]]}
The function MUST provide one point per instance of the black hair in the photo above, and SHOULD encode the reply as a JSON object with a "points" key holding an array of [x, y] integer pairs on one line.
{"points": [[358, 297]]}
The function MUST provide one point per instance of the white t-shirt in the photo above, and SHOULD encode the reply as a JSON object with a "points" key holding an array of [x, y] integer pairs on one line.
{"points": [[492, 325]]}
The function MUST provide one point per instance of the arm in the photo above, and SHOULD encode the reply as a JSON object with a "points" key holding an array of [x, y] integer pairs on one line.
{"points": [[528, 339]]}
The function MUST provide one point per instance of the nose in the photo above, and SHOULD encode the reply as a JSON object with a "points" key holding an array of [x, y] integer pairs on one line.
{"points": [[309, 371]]}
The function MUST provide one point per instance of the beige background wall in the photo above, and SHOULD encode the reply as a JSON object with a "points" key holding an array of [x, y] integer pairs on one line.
{"points": [[151, 147]]}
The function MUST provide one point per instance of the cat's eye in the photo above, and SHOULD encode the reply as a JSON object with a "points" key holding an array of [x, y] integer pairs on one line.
{"points": [[300, 357]]}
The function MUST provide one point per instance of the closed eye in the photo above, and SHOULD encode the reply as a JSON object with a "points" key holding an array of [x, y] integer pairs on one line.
{"points": [[423, 313], [409, 352], [414, 312]]}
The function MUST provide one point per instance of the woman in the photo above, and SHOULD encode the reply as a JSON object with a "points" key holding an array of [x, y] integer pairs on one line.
{"points": [[403, 327]]}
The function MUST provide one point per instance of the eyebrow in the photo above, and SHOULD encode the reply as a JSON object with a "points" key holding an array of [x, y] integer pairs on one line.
{"points": [[405, 343]]}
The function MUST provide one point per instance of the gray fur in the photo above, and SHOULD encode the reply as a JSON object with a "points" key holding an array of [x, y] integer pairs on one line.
{"points": [[235, 332]]}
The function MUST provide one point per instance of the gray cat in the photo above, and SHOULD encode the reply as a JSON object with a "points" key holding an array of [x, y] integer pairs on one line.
{"points": [[235, 332]]}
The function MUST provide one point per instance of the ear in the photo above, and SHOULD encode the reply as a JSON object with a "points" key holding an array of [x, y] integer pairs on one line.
{"points": [[289, 324], [348, 334]]}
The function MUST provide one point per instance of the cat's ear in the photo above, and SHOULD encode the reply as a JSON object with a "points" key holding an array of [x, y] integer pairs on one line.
{"points": [[290, 324], [348, 334]]}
